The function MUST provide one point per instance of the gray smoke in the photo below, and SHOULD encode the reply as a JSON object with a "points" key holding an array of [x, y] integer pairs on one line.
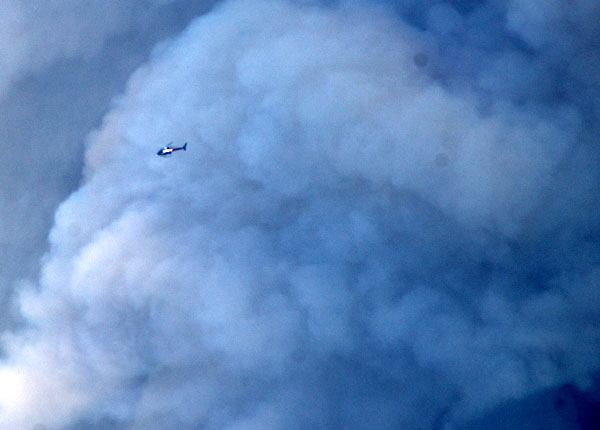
{"points": [[34, 35], [61, 63], [381, 221]]}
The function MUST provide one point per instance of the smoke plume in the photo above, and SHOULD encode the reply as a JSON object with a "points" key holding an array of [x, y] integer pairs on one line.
{"points": [[382, 220]]}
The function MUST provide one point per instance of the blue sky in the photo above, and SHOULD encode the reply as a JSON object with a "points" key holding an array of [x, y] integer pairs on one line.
{"points": [[386, 216]]}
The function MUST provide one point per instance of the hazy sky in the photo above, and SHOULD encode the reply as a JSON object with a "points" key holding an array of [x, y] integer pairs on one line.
{"points": [[386, 216]]}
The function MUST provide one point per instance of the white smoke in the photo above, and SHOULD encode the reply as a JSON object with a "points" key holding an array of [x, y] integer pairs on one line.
{"points": [[351, 240]]}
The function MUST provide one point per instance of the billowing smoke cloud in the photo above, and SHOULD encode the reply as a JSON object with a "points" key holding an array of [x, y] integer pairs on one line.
{"points": [[362, 233]]}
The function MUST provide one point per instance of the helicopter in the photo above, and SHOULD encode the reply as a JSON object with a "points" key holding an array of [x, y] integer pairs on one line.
{"points": [[165, 151]]}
